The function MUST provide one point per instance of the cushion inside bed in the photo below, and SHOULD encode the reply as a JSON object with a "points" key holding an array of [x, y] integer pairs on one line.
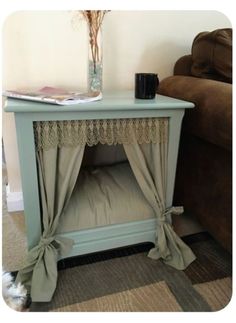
{"points": [[103, 196]]}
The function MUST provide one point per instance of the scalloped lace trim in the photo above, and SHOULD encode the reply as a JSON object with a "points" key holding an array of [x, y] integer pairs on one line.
{"points": [[51, 134]]}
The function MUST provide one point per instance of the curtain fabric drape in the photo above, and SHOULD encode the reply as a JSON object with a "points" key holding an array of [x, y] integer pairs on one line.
{"points": [[149, 164], [58, 169], [59, 152]]}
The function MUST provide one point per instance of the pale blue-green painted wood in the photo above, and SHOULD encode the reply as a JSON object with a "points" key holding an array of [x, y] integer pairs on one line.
{"points": [[112, 243], [116, 235], [120, 229], [98, 115], [112, 106], [26, 150], [115, 101]]}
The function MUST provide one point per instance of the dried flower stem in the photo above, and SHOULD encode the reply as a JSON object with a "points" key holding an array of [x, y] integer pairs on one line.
{"points": [[94, 19]]}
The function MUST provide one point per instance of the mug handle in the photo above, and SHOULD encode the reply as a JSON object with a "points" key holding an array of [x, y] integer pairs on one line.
{"points": [[157, 82]]}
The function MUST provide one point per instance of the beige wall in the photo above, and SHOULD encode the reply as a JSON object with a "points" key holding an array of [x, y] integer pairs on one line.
{"points": [[46, 48]]}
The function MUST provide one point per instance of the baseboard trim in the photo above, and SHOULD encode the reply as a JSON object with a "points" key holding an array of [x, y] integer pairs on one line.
{"points": [[15, 201]]}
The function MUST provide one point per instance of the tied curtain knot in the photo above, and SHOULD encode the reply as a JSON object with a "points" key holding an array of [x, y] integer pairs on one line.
{"points": [[39, 275], [60, 245], [176, 210], [169, 247], [44, 242]]}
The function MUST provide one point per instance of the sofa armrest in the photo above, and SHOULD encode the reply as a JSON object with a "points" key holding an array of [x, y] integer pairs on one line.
{"points": [[211, 119], [183, 65]]}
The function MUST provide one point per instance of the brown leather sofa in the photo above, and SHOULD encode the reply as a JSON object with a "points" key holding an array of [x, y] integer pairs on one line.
{"points": [[204, 170]]}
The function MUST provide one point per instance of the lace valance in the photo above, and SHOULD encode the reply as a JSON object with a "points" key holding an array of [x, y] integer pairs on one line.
{"points": [[49, 134]]}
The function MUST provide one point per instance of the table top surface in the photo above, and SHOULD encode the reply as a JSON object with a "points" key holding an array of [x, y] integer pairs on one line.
{"points": [[115, 101]]}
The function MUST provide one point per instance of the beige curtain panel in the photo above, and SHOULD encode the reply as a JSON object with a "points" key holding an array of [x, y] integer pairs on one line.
{"points": [[58, 169], [59, 150], [149, 164]]}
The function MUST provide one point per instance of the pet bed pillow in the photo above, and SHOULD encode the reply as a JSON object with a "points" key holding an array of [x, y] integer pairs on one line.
{"points": [[103, 196]]}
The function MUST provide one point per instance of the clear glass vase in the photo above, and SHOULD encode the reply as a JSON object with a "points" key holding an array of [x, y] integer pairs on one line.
{"points": [[95, 62]]}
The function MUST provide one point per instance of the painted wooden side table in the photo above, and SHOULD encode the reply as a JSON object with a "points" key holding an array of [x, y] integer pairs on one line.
{"points": [[116, 105]]}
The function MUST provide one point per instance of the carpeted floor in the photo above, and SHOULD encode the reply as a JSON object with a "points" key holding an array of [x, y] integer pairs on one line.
{"points": [[127, 280], [14, 243]]}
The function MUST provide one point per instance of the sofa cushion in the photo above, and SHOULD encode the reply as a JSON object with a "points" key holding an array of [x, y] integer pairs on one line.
{"points": [[183, 65], [212, 55], [211, 119]]}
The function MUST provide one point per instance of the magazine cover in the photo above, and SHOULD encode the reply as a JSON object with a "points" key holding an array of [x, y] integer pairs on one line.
{"points": [[54, 96]]}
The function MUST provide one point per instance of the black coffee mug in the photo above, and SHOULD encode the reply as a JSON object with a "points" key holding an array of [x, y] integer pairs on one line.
{"points": [[146, 85]]}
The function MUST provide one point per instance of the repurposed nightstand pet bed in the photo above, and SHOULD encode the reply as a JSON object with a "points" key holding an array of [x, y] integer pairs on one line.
{"points": [[84, 208]]}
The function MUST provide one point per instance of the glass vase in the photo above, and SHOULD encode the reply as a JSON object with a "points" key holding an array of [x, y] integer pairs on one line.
{"points": [[95, 62]]}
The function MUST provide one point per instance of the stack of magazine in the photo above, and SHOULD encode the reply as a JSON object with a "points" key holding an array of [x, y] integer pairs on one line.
{"points": [[54, 96]]}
